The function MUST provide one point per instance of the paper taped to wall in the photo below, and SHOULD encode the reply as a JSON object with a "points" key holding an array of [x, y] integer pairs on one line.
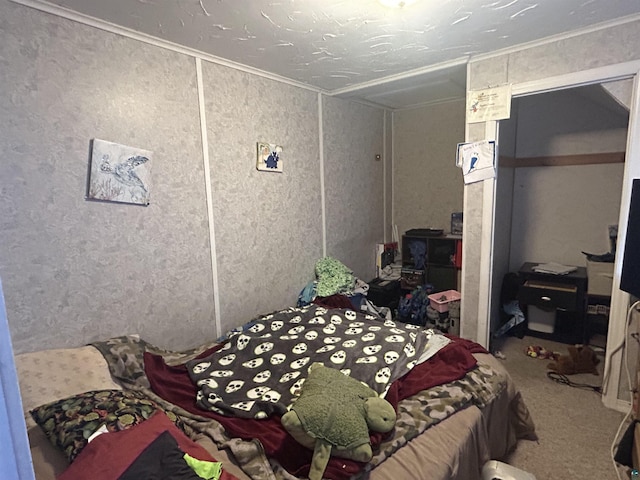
{"points": [[477, 160], [489, 104]]}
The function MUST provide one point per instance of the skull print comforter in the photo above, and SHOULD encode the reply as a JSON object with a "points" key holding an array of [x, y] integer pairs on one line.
{"points": [[263, 365]]}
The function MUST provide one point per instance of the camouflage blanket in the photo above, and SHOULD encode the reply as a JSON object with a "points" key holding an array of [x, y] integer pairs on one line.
{"points": [[125, 357], [419, 412]]}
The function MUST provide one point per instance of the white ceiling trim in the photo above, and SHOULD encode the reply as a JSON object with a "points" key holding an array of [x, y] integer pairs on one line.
{"points": [[430, 103], [402, 76], [142, 37]]}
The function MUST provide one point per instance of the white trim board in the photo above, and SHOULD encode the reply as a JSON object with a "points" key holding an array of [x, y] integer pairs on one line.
{"points": [[570, 80], [323, 200], [489, 190], [554, 38], [384, 176], [209, 193], [69, 14], [619, 299]]}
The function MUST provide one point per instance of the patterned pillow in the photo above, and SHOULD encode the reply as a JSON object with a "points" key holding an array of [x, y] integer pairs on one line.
{"points": [[68, 423]]}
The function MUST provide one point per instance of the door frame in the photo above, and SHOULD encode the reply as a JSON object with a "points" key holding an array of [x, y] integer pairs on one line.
{"points": [[619, 300]]}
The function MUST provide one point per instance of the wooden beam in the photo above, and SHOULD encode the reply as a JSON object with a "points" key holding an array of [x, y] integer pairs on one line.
{"points": [[562, 160]]}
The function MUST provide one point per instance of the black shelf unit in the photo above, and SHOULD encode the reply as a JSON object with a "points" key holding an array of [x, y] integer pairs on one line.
{"points": [[433, 259]]}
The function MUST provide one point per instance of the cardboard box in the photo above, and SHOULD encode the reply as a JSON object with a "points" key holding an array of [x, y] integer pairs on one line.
{"points": [[600, 278]]}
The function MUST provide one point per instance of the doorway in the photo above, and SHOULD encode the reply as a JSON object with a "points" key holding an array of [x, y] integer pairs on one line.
{"points": [[560, 174], [615, 395]]}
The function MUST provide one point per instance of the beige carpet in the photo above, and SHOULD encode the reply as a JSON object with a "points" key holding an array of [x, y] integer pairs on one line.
{"points": [[575, 430]]}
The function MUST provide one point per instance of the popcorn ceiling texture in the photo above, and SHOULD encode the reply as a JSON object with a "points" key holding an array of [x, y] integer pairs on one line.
{"points": [[334, 44]]}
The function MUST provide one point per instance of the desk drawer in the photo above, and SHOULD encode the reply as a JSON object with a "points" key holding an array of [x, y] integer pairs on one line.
{"points": [[549, 295]]}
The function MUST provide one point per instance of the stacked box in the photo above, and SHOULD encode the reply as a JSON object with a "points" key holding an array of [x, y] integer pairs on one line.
{"points": [[600, 278]]}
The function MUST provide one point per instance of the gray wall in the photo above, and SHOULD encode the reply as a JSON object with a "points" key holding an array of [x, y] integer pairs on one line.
{"points": [[561, 211], [570, 122], [75, 271], [427, 185], [353, 183], [268, 226]]}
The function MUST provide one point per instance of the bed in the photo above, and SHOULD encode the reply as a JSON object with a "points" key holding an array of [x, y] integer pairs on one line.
{"points": [[456, 405]]}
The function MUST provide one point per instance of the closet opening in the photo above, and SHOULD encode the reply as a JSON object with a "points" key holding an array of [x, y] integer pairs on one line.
{"points": [[560, 174]]}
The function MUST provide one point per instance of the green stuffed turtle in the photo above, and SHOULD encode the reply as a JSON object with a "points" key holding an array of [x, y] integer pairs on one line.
{"points": [[333, 416]]}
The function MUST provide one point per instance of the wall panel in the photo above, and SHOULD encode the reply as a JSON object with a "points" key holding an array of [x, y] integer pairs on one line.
{"points": [[75, 270], [353, 183], [268, 225]]}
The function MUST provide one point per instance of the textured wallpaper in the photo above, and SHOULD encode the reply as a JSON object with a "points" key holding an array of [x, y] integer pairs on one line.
{"points": [[353, 136], [268, 225], [75, 270], [428, 186]]}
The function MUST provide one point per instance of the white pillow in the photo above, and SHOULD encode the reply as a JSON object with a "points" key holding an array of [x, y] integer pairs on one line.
{"points": [[49, 375]]}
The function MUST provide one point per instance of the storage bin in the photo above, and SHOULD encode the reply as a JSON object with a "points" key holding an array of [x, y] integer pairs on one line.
{"points": [[440, 301], [384, 293]]}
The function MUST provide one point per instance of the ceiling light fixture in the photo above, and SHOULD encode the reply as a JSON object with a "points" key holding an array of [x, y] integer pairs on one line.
{"points": [[397, 3]]}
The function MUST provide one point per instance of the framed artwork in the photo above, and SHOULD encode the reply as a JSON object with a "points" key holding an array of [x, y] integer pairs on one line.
{"points": [[269, 158], [119, 173]]}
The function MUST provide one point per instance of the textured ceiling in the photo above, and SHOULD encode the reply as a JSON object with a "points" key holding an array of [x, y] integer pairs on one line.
{"points": [[338, 46]]}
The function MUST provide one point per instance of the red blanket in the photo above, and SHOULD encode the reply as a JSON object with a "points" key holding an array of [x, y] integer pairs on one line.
{"points": [[109, 456], [174, 385]]}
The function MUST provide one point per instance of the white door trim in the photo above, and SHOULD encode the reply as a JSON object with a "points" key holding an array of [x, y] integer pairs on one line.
{"points": [[619, 299]]}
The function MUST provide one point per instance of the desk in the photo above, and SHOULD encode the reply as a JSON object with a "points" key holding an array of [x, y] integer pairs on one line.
{"points": [[564, 294]]}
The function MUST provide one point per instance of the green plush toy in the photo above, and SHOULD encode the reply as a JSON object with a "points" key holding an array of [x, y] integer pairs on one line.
{"points": [[333, 416]]}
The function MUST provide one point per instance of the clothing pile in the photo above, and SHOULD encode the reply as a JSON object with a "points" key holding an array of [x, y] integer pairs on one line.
{"points": [[335, 286]]}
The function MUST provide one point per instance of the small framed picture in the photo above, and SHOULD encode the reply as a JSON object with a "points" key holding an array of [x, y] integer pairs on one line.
{"points": [[269, 158], [119, 173]]}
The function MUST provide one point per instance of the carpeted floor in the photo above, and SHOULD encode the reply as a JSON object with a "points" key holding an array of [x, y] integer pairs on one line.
{"points": [[575, 430]]}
